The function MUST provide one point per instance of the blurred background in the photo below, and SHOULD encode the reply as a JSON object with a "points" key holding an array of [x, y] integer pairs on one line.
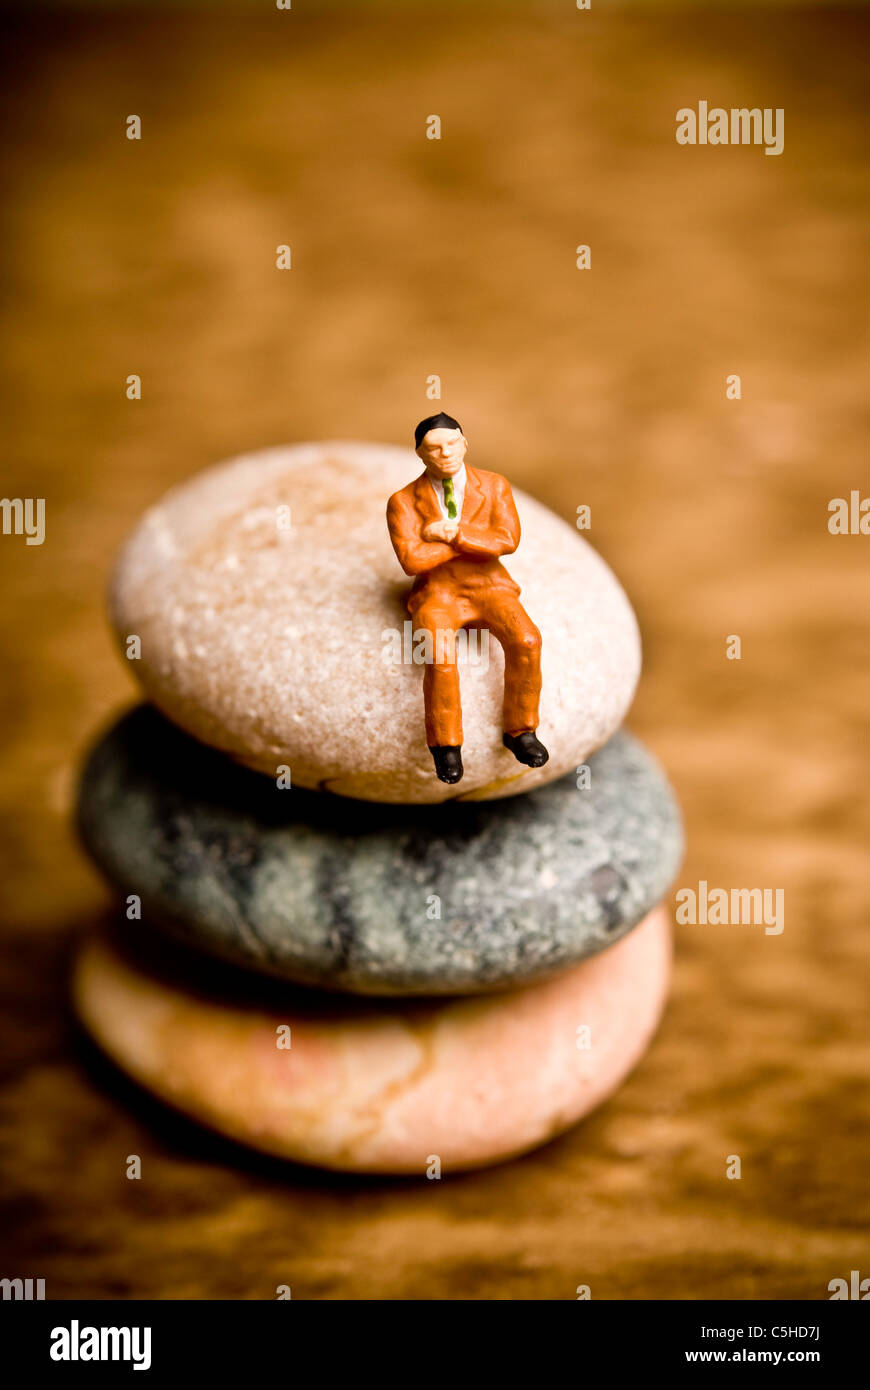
{"points": [[411, 258]]}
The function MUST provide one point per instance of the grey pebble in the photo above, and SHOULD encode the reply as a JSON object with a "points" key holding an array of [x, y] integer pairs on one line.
{"points": [[372, 898]]}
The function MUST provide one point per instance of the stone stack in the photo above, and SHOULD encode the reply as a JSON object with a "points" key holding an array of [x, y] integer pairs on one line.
{"points": [[322, 950]]}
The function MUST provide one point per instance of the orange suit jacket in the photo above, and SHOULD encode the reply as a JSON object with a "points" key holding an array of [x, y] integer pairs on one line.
{"points": [[488, 527]]}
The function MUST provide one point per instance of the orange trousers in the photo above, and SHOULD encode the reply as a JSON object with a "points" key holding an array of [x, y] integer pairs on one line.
{"points": [[502, 612]]}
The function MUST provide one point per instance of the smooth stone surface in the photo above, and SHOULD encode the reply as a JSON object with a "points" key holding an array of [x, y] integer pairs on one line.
{"points": [[342, 893], [268, 643], [382, 1088]]}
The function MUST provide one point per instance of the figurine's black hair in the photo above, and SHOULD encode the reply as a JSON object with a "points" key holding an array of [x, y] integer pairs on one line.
{"points": [[435, 422]]}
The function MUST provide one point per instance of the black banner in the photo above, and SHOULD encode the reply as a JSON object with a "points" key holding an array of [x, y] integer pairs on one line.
{"points": [[82, 1338]]}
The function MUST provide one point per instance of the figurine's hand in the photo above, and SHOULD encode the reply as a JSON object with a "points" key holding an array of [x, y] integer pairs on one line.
{"points": [[440, 530]]}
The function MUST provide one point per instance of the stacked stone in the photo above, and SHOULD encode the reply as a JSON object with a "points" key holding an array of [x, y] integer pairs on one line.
{"points": [[322, 950]]}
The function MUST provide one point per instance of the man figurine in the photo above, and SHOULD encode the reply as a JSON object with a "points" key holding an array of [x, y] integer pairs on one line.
{"points": [[448, 529]]}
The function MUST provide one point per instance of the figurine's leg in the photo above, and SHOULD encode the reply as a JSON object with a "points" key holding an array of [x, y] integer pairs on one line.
{"points": [[521, 640], [441, 687]]}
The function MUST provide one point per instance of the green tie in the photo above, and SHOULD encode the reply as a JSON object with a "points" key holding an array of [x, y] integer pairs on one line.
{"points": [[449, 498]]}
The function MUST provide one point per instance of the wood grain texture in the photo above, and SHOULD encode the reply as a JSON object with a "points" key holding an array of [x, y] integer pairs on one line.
{"points": [[606, 387]]}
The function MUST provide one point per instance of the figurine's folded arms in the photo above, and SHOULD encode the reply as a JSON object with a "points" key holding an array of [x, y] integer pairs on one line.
{"points": [[415, 555], [500, 533]]}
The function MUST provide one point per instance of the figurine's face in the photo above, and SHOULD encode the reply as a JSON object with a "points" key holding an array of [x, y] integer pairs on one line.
{"points": [[443, 451]]}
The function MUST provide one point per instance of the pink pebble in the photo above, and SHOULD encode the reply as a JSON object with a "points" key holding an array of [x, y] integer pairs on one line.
{"points": [[392, 1086]]}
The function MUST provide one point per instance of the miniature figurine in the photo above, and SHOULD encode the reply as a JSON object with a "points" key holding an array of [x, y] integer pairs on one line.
{"points": [[448, 529]]}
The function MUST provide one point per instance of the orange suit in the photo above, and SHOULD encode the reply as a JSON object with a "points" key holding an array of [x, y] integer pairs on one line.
{"points": [[462, 582]]}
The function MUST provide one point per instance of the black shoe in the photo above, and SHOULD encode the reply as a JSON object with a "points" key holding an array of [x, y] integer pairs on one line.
{"points": [[527, 749], [448, 762]]}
